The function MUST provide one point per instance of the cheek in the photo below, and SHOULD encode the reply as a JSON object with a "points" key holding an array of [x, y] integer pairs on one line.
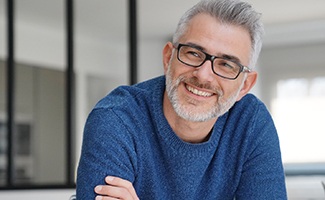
{"points": [[177, 69], [229, 88]]}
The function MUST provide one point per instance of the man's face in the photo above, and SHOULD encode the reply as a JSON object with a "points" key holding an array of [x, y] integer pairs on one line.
{"points": [[197, 94]]}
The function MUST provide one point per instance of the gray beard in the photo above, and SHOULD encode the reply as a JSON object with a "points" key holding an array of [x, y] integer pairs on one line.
{"points": [[220, 107]]}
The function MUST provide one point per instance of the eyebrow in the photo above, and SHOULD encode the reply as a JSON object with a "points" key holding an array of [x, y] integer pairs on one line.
{"points": [[225, 56]]}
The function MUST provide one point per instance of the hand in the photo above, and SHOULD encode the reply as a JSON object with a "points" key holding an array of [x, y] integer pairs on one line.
{"points": [[117, 188]]}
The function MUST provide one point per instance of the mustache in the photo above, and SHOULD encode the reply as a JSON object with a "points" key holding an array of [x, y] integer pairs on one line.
{"points": [[194, 81]]}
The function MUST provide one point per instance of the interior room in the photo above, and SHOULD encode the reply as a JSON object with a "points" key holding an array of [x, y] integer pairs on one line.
{"points": [[47, 138]]}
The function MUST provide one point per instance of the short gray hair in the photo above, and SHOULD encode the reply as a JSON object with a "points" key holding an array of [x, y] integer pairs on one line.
{"points": [[233, 12]]}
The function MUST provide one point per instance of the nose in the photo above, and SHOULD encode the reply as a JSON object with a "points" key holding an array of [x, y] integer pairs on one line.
{"points": [[204, 72]]}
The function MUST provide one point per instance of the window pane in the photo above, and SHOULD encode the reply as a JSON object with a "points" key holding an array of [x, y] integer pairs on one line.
{"points": [[3, 94], [299, 113], [39, 136], [101, 56], [3, 119]]}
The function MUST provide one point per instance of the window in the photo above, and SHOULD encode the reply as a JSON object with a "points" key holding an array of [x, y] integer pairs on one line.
{"points": [[42, 151], [299, 112]]}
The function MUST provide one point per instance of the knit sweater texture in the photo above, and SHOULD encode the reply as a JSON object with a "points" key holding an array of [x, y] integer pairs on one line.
{"points": [[127, 135]]}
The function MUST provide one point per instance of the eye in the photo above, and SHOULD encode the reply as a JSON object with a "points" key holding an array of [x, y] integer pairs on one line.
{"points": [[225, 65], [228, 65], [193, 54]]}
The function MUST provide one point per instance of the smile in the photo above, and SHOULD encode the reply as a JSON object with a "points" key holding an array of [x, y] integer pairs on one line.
{"points": [[198, 92]]}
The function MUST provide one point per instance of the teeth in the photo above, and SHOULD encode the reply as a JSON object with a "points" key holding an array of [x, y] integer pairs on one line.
{"points": [[198, 92]]}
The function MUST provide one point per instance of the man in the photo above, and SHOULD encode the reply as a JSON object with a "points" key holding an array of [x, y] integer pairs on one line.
{"points": [[194, 133]]}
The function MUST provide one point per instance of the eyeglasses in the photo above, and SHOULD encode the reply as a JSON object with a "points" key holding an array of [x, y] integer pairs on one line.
{"points": [[223, 67]]}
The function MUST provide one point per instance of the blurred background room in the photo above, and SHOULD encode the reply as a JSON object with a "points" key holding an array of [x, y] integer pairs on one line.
{"points": [[59, 57]]}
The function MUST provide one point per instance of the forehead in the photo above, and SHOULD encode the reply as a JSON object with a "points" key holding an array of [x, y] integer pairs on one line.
{"points": [[218, 38]]}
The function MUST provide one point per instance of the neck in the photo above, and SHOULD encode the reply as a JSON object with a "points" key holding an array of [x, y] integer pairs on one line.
{"points": [[188, 131]]}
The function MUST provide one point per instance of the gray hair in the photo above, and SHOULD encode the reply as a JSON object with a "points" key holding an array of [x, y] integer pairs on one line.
{"points": [[233, 12]]}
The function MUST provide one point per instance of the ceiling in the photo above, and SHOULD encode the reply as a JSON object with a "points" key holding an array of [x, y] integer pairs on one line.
{"points": [[164, 14], [156, 18]]}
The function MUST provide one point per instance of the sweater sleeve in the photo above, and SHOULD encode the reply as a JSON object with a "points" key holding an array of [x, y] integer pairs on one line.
{"points": [[108, 149], [262, 174]]}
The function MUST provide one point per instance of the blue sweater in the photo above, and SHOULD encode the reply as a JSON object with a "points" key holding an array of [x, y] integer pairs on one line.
{"points": [[127, 135]]}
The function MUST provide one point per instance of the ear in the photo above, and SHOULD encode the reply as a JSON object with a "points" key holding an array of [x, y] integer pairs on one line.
{"points": [[248, 84], [167, 54]]}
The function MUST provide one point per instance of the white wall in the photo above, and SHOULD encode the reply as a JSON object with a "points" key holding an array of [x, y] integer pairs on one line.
{"points": [[150, 58]]}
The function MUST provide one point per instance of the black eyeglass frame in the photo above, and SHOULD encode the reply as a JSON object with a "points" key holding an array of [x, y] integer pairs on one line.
{"points": [[212, 58]]}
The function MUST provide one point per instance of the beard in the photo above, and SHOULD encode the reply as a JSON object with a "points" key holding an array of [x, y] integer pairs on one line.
{"points": [[196, 113]]}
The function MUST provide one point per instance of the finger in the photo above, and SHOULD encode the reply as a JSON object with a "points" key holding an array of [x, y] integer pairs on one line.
{"points": [[119, 182], [105, 198], [113, 192]]}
